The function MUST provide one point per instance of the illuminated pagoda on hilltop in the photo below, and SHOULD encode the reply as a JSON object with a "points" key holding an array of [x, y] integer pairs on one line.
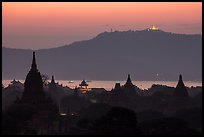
{"points": [[181, 90], [153, 28]]}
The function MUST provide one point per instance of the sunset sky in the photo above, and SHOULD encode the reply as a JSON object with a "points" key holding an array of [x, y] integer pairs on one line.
{"points": [[38, 25]]}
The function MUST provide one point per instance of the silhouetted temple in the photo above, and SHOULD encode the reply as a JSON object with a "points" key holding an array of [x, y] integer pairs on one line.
{"points": [[53, 90], [52, 85], [117, 89], [16, 85], [181, 90], [34, 113], [128, 85], [33, 86], [52, 80], [83, 84], [33, 90], [117, 86]]}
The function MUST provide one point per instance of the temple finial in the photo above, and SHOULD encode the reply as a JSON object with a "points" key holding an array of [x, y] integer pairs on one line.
{"points": [[180, 77], [52, 81], [128, 79], [34, 65]]}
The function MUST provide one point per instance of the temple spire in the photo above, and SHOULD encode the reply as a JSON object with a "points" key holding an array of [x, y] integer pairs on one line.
{"points": [[129, 80], [128, 85], [52, 81], [34, 65], [128, 76], [180, 77], [181, 88]]}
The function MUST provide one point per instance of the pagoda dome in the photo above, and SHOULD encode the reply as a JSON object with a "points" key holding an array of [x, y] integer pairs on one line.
{"points": [[83, 83]]}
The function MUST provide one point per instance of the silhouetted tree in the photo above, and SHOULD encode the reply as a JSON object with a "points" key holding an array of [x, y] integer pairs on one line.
{"points": [[192, 115], [148, 115], [118, 121], [45, 79], [167, 126]]}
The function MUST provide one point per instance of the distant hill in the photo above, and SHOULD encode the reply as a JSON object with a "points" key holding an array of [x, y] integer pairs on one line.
{"points": [[146, 55]]}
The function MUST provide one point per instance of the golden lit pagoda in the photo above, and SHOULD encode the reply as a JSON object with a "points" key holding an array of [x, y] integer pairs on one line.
{"points": [[154, 28]]}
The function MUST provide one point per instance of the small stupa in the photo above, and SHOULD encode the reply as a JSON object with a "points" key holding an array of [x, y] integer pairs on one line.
{"points": [[181, 90]]}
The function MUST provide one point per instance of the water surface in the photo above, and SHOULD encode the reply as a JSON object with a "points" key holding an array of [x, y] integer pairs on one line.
{"points": [[108, 85]]}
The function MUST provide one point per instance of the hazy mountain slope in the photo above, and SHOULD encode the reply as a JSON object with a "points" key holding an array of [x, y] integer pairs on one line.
{"points": [[112, 55], [15, 63]]}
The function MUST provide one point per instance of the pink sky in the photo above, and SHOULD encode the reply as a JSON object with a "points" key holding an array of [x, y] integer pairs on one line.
{"points": [[37, 25]]}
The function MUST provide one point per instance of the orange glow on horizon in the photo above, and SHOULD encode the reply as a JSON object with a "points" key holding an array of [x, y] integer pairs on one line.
{"points": [[65, 22], [38, 13]]}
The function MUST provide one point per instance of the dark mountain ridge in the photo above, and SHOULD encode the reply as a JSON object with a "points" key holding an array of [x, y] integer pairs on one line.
{"points": [[146, 55]]}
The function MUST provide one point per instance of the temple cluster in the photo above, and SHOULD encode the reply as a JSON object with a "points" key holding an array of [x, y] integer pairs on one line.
{"points": [[53, 111]]}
